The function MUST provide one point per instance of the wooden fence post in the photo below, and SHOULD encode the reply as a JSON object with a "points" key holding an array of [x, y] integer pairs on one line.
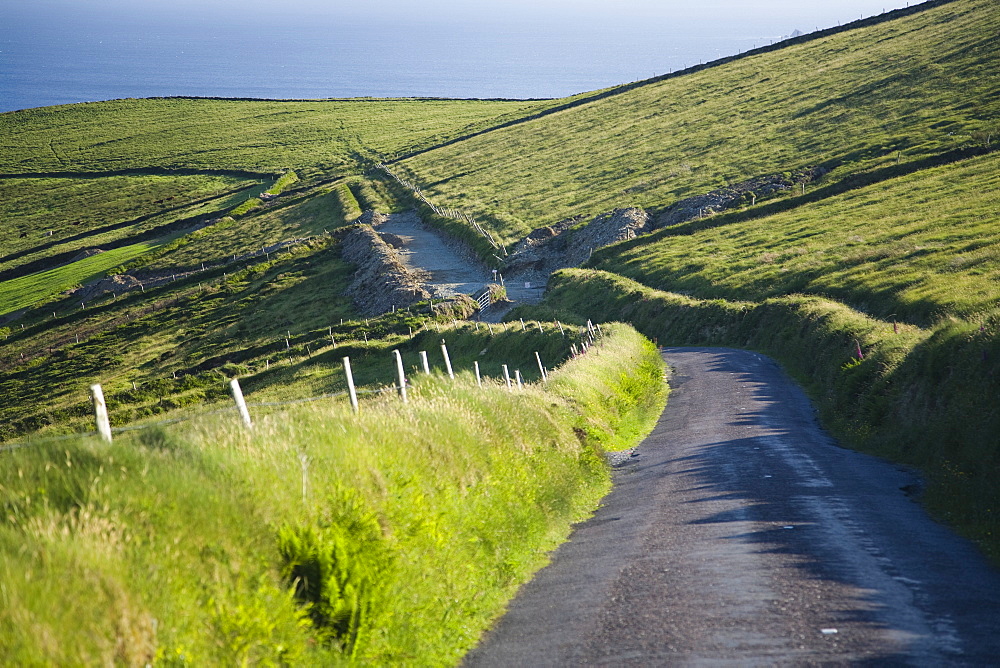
{"points": [[241, 404], [401, 386], [517, 374], [506, 376], [350, 384], [423, 360], [447, 360], [101, 413]]}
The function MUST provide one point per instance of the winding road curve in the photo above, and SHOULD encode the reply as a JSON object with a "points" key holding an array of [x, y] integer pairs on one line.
{"points": [[742, 535]]}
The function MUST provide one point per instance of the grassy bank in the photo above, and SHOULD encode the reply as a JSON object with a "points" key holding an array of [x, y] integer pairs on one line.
{"points": [[393, 536], [921, 396]]}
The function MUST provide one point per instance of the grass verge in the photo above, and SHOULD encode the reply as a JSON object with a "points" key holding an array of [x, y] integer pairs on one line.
{"points": [[391, 536]]}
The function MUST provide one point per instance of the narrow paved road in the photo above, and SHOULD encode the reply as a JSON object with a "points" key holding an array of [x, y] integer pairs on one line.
{"points": [[742, 535]]}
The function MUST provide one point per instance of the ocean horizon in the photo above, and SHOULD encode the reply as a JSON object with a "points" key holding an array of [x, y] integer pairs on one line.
{"points": [[50, 59]]}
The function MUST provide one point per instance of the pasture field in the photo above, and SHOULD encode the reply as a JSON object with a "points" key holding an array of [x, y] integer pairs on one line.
{"points": [[849, 102], [46, 217], [327, 137], [875, 281], [916, 248]]}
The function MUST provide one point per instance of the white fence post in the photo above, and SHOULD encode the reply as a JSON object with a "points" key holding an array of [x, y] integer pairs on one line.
{"points": [[506, 376], [402, 376], [423, 360], [101, 413], [447, 360], [517, 374], [479, 379], [545, 376], [350, 384], [241, 404]]}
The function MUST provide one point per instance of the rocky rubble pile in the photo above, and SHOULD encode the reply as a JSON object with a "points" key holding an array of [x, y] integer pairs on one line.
{"points": [[117, 284], [372, 217], [381, 281], [606, 229], [567, 245], [739, 194]]}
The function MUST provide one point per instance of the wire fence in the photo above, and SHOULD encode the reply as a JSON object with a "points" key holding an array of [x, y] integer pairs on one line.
{"points": [[591, 335], [444, 212]]}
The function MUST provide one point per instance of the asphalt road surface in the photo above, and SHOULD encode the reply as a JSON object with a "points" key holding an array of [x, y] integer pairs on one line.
{"points": [[742, 535]]}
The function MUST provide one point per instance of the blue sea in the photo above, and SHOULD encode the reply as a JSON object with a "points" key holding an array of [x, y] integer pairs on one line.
{"points": [[52, 56]]}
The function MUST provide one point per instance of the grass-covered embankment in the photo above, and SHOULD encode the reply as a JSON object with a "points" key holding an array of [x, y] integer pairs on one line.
{"points": [[397, 534], [922, 396]]}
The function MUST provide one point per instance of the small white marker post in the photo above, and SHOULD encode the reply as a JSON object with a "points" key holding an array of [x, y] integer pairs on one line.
{"points": [[241, 404], [517, 374], [447, 360], [506, 377], [350, 384], [545, 376], [479, 379], [101, 413], [401, 383], [523, 328], [423, 361], [540, 330]]}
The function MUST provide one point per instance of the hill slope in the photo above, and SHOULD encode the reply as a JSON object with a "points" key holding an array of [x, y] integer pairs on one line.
{"points": [[852, 101], [871, 274]]}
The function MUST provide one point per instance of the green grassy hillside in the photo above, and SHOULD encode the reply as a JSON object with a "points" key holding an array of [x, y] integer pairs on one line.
{"points": [[326, 137], [853, 101], [914, 248], [876, 283]]}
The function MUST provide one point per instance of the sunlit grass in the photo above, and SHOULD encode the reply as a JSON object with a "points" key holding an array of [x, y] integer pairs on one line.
{"points": [[18, 293], [853, 101], [914, 248], [468, 487]]}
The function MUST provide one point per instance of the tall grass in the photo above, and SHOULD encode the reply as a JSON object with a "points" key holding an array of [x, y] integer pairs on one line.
{"points": [[195, 544]]}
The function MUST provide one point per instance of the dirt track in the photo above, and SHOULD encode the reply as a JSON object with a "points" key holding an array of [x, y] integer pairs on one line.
{"points": [[742, 535], [449, 272]]}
